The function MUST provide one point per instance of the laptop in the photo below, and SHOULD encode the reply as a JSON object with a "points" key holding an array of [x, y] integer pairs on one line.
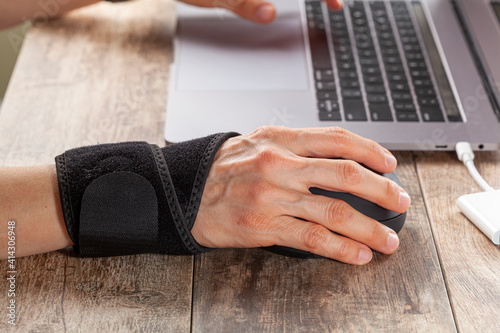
{"points": [[411, 75]]}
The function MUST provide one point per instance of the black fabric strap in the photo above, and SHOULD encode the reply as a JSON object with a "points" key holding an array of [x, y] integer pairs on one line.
{"points": [[135, 197]]}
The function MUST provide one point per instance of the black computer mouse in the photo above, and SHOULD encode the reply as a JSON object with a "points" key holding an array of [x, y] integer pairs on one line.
{"points": [[393, 220]]}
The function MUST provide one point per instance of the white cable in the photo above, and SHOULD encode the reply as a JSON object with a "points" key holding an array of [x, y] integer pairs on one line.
{"points": [[465, 154], [482, 208]]}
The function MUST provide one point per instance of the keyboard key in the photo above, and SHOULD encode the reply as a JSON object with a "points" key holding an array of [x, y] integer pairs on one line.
{"points": [[326, 95], [342, 48], [414, 56], [349, 84], [342, 65], [417, 65], [399, 86], [327, 85], [373, 79], [351, 93], [425, 92], [344, 57], [324, 75], [428, 102], [339, 26], [419, 83], [395, 68], [328, 106], [387, 43], [390, 51], [336, 16], [354, 110], [369, 53], [409, 39], [423, 74], [406, 116], [332, 116], [376, 99], [372, 61], [370, 70], [431, 114], [374, 89], [380, 112], [404, 106], [392, 60], [400, 97], [396, 77], [348, 75]]}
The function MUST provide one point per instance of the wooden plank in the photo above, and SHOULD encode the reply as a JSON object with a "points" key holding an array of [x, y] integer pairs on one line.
{"points": [[97, 75], [471, 263], [256, 291]]}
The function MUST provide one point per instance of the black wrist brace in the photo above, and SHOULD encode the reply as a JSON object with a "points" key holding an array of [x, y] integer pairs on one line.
{"points": [[134, 197]]}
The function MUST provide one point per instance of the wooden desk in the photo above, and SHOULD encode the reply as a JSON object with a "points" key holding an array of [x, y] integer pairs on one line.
{"points": [[100, 75]]}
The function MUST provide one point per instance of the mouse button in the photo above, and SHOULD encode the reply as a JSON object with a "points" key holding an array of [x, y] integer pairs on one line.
{"points": [[396, 223], [392, 176]]}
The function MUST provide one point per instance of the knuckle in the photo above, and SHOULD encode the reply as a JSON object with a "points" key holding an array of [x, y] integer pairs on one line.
{"points": [[391, 188], [373, 232], [339, 212], [373, 151], [314, 237], [340, 136], [344, 250], [267, 159], [267, 132], [351, 173], [255, 222]]}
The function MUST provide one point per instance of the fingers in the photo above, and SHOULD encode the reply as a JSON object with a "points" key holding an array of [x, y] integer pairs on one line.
{"points": [[254, 10], [334, 4], [315, 238], [331, 142], [349, 176], [337, 175], [328, 142], [338, 216]]}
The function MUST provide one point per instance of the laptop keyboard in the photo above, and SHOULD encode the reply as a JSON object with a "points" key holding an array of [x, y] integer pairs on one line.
{"points": [[379, 71]]}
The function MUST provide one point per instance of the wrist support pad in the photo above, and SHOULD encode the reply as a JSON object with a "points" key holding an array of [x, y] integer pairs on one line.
{"points": [[134, 197]]}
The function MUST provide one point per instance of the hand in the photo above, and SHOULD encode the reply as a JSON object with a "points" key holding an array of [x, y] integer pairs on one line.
{"points": [[254, 10], [259, 183]]}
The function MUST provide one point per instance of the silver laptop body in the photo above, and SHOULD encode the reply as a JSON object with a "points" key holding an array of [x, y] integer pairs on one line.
{"points": [[229, 74]]}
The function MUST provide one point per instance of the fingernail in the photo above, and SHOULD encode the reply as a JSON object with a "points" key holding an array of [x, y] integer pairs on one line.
{"points": [[264, 13], [364, 256], [404, 200], [390, 160], [392, 241], [337, 4]]}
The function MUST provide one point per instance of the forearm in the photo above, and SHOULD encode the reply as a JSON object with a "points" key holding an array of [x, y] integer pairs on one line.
{"points": [[30, 197], [13, 12]]}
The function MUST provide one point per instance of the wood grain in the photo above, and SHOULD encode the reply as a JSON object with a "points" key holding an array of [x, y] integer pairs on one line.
{"points": [[256, 291], [471, 262], [96, 75], [101, 75]]}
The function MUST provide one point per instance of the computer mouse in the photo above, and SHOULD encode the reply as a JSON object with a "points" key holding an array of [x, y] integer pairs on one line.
{"points": [[393, 220]]}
